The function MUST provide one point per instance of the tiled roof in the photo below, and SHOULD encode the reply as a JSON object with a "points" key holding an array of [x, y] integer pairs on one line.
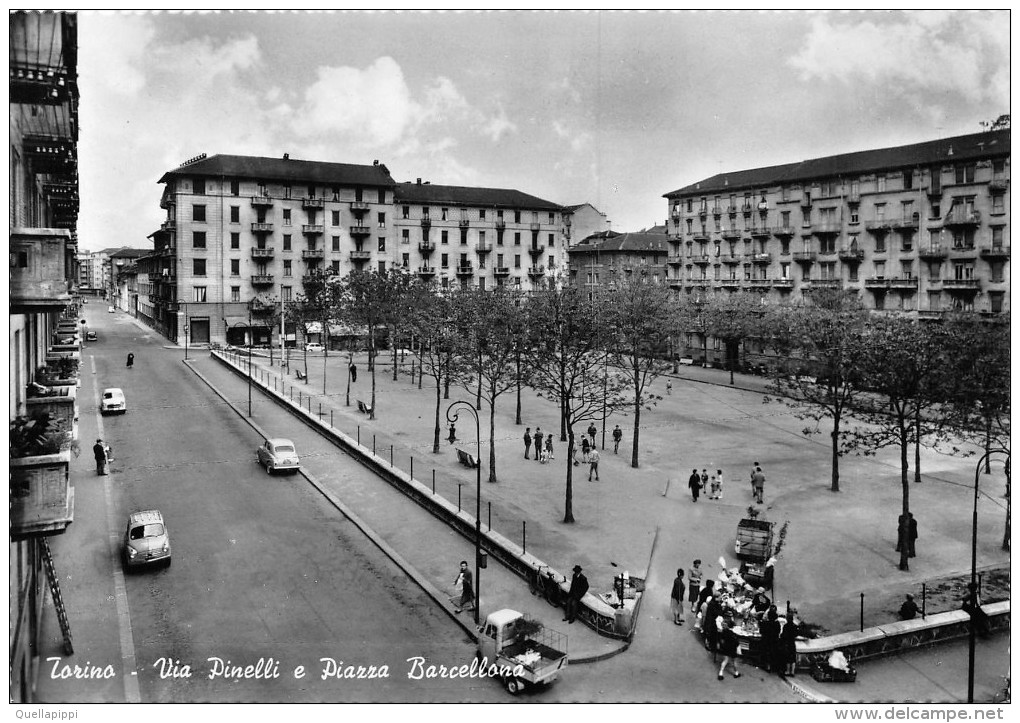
{"points": [[945, 150], [623, 242], [428, 193], [289, 169]]}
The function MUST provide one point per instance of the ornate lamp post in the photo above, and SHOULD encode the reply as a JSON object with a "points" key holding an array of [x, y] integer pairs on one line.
{"points": [[973, 568], [452, 418]]}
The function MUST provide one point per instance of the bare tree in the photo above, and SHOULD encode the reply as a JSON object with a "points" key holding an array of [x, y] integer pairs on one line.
{"points": [[568, 364], [637, 323], [366, 296]]}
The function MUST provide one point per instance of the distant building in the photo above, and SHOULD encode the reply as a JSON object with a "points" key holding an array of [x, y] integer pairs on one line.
{"points": [[478, 237], [922, 228], [583, 220], [605, 259]]}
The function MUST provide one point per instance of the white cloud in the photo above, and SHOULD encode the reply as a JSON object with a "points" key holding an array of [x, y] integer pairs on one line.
{"points": [[115, 48], [962, 53], [498, 125], [578, 140]]}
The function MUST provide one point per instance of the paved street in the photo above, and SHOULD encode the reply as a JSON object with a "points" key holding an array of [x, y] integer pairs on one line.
{"points": [[262, 567]]}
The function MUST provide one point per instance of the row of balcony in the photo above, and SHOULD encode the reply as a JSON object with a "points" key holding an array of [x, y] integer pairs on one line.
{"points": [[845, 254], [908, 283], [264, 201]]}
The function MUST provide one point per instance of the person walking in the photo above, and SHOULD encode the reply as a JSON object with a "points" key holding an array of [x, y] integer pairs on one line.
{"points": [[353, 370], [593, 460], [578, 588], [769, 629], [788, 644], [704, 480], [711, 613], [527, 442], [130, 360], [718, 482], [592, 431], [676, 598], [585, 449], [694, 482], [617, 437], [549, 446], [713, 489], [694, 583], [669, 386], [754, 467], [464, 585], [100, 451], [700, 608], [758, 482], [911, 534], [538, 443], [728, 648]]}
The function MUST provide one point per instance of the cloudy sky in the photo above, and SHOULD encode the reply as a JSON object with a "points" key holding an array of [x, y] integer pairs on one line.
{"points": [[614, 109]]}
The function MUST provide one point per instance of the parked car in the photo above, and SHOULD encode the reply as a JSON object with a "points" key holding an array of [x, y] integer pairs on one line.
{"points": [[110, 309], [278, 454], [146, 541], [313, 346], [113, 401], [91, 336]]}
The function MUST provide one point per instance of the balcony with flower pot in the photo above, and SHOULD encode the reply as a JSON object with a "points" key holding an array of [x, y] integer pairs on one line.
{"points": [[41, 495]]}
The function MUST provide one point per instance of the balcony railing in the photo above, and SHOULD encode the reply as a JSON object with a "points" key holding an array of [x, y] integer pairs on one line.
{"points": [[783, 231], [39, 273], [782, 283], [536, 250], [962, 284], [731, 233], [854, 256], [876, 283], [903, 283], [907, 222], [805, 256], [261, 201], [465, 270], [263, 227], [760, 232], [426, 271], [729, 283], [536, 226], [464, 223], [935, 251], [359, 206], [264, 253], [674, 260], [700, 234], [426, 222], [313, 254], [962, 217], [169, 225], [364, 230], [311, 203], [262, 279], [761, 259], [312, 228], [426, 247], [878, 224], [997, 185], [361, 255], [500, 223], [701, 259], [995, 252], [826, 228], [501, 271], [483, 248]]}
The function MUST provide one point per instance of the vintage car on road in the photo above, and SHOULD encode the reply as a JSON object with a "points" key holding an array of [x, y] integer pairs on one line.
{"points": [[91, 336], [113, 401], [278, 454], [146, 541], [313, 347]]}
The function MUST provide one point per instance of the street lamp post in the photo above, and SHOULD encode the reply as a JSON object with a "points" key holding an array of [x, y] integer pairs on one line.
{"points": [[186, 334], [973, 570], [452, 418]]}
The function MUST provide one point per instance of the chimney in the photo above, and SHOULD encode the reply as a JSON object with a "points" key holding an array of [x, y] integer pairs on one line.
{"points": [[375, 162], [286, 156]]}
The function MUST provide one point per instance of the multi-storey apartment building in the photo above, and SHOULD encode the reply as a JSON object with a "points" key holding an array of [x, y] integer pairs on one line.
{"points": [[478, 237], [922, 228], [582, 220], [43, 203], [605, 259], [239, 228]]}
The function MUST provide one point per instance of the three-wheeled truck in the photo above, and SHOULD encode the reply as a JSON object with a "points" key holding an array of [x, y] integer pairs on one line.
{"points": [[529, 653]]}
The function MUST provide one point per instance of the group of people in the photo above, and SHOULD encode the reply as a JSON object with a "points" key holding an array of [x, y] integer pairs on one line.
{"points": [[712, 484], [728, 608], [544, 451]]}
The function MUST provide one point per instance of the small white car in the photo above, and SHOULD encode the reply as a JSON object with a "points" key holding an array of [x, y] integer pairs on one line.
{"points": [[110, 309], [278, 454], [113, 402], [313, 346], [146, 541]]}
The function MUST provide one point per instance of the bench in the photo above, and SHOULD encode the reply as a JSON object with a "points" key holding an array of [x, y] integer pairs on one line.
{"points": [[300, 375], [466, 459], [366, 408]]}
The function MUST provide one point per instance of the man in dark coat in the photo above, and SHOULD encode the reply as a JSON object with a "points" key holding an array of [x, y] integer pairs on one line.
{"points": [[592, 431], [527, 442], [538, 444], [710, 625], [769, 629], [695, 484], [354, 371], [617, 437], [99, 450], [578, 588]]}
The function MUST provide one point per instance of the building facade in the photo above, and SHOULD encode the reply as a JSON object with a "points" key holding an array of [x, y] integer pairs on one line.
{"points": [[583, 220], [460, 236], [606, 259], [240, 229], [42, 241], [922, 228]]}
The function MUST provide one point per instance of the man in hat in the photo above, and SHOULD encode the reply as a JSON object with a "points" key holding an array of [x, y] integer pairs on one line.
{"points": [[100, 451], [578, 587]]}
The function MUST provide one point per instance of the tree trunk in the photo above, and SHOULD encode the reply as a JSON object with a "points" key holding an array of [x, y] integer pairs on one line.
{"points": [[518, 361], [917, 444], [835, 450], [371, 366], [446, 381], [492, 442], [988, 444], [568, 503], [563, 402], [478, 397], [435, 440], [1006, 534], [903, 531], [637, 422]]}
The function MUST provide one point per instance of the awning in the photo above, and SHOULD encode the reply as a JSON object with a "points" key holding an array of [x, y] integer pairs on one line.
{"points": [[313, 327], [233, 321]]}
